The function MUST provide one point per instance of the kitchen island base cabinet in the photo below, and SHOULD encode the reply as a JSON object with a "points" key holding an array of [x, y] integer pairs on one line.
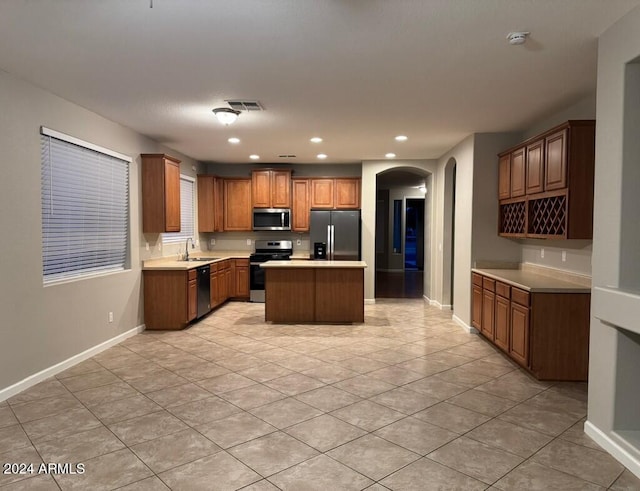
{"points": [[170, 299], [314, 294]]}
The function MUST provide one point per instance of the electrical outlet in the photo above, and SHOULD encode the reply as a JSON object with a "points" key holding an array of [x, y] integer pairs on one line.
{"points": [[212, 242], [248, 241], [564, 256], [542, 253], [298, 242], [110, 317], [146, 246]]}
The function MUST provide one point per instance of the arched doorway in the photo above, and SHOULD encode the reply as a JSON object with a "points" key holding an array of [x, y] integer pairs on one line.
{"points": [[402, 232]]}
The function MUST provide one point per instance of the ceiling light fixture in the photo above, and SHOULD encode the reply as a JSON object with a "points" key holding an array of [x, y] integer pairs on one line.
{"points": [[254, 156], [234, 140], [401, 138], [390, 155], [316, 139], [517, 37], [226, 115], [322, 156]]}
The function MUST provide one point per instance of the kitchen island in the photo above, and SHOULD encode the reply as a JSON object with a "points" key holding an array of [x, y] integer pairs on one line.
{"points": [[299, 291]]}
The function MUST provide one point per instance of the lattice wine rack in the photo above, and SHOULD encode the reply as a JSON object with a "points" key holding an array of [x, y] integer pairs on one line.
{"points": [[548, 216], [513, 218]]}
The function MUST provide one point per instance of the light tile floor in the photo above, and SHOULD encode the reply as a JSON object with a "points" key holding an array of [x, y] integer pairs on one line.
{"points": [[407, 401]]}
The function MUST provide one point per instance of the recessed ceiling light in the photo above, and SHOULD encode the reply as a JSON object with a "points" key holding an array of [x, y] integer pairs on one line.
{"points": [[401, 138], [254, 156], [234, 140], [322, 156], [390, 155], [316, 139]]}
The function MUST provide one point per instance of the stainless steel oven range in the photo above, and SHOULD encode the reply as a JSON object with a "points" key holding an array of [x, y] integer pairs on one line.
{"points": [[266, 250]]}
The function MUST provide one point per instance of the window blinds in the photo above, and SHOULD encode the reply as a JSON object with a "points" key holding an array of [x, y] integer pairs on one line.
{"points": [[85, 208], [187, 213]]}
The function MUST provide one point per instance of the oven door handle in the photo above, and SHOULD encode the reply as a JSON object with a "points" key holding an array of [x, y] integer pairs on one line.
{"points": [[255, 264]]}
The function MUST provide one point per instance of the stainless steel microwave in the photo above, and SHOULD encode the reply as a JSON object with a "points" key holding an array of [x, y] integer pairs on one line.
{"points": [[271, 219]]}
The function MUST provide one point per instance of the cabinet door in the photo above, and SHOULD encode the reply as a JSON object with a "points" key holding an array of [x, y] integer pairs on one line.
{"points": [[488, 313], [502, 323], [172, 196], [281, 189], [476, 316], [242, 279], [519, 335], [347, 193], [218, 184], [261, 188], [206, 204], [517, 173], [237, 204], [300, 220], [322, 193], [213, 283], [556, 161], [535, 167], [228, 283], [504, 177], [192, 300]]}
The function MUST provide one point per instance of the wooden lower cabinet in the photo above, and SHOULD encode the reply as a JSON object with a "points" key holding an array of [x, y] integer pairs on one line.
{"points": [[547, 333], [502, 323], [241, 278], [170, 298], [519, 338]]}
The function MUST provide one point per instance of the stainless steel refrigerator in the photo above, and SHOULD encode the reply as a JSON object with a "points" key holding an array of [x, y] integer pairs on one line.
{"points": [[340, 230]]}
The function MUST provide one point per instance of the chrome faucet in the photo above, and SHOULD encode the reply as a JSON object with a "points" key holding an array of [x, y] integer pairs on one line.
{"points": [[186, 256]]}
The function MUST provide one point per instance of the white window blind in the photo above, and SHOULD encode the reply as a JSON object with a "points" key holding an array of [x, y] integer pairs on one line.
{"points": [[85, 208], [187, 213]]}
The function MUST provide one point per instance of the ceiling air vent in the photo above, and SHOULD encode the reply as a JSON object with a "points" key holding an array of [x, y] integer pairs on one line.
{"points": [[287, 156], [245, 105]]}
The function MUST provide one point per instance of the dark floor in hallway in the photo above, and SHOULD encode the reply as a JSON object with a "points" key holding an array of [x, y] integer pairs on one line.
{"points": [[407, 284]]}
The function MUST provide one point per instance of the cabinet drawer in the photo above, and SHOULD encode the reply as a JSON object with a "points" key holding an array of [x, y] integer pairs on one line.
{"points": [[193, 274], [520, 297], [503, 289], [476, 279], [489, 284]]}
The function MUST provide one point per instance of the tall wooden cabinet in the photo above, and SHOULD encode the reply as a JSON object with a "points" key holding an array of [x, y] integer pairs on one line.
{"points": [[301, 205], [271, 188], [237, 204], [210, 204], [550, 190], [160, 193]]}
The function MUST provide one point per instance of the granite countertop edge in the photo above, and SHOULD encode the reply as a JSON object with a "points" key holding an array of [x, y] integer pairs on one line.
{"points": [[532, 282]]}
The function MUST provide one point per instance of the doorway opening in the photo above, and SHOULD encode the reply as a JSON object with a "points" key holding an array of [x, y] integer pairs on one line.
{"points": [[448, 242], [414, 234]]}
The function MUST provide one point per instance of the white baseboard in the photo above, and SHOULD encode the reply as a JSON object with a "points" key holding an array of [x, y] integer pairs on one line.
{"points": [[36, 378], [369, 301], [435, 303], [464, 325], [616, 450]]}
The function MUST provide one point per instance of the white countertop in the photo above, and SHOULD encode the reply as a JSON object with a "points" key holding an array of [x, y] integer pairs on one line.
{"points": [[532, 282], [298, 263]]}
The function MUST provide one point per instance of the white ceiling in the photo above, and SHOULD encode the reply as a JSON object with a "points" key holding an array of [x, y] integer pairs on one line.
{"points": [[355, 72]]}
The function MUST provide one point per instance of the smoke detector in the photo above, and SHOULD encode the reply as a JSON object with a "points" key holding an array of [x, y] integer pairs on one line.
{"points": [[518, 37]]}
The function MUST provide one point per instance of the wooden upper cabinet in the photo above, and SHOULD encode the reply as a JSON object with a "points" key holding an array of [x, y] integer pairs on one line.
{"points": [[237, 204], [535, 167], [322, 193], [556, 161], [518, 173], [160, 193], [210, 203], [347, 193], [301, 209], [336, 193], [504, 176], [271, 188]]}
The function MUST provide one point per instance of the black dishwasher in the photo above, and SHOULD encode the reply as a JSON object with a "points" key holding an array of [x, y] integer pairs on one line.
{"points": [[204, 290]]}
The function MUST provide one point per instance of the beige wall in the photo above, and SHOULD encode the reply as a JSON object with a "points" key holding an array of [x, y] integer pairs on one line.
{"points": [[44, 326], [614, 364]]}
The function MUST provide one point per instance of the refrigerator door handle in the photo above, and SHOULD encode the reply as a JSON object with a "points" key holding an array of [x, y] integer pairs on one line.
{"points": [[328, 252], [333, 244]]}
